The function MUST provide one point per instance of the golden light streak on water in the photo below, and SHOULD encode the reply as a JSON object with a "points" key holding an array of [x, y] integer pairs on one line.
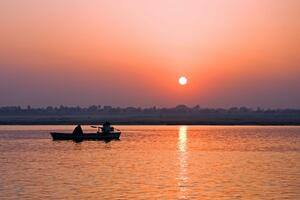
{"points": [[182, 155]]}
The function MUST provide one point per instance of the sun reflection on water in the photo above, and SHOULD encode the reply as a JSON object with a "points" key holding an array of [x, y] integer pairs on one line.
{"points": [[182, 155]]}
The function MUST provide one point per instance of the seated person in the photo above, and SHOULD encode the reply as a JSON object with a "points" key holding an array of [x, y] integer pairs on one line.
{"points": [[106, 127], [78, 130]]}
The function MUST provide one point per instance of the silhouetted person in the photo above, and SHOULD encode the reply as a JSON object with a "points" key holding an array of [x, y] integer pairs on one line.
{"points": [[106, 128], [78, 130]]}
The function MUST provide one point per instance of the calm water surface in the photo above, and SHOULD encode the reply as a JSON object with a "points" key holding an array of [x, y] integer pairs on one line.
{"points": [[152, 162]]}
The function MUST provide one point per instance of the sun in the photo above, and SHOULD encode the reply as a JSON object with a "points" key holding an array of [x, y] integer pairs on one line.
{"points": [[182, 80]]}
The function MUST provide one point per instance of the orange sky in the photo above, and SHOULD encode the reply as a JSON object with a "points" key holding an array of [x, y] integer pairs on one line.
{"points": [[131, 52]]}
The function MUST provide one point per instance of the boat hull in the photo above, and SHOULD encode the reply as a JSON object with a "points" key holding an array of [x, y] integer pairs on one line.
{"points": [[86, 136]]}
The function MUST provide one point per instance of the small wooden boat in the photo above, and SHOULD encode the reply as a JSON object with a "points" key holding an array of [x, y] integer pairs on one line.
{"points": [[86, 136]]}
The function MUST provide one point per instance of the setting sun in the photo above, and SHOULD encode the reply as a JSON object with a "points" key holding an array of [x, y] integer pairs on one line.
{"points": [[182, 80]]}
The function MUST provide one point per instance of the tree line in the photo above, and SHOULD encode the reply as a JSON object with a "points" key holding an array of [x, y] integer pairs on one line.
{"points": [[98, 109]]}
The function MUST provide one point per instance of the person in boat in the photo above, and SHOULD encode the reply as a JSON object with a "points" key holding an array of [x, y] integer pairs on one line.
{"points": [[106, 128], [78, 130]]}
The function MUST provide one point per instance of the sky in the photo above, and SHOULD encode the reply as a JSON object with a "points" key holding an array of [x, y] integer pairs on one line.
{"points": [[132, 52]]}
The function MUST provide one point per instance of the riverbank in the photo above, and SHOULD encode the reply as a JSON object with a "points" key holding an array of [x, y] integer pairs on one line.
{"points": [[166, 119]]}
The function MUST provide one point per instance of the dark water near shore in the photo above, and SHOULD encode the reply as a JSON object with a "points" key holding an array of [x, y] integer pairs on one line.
{"points": [[152, 162]]}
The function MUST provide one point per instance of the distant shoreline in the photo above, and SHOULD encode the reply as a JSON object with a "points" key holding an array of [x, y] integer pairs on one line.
{"points": [[157, 124], [148, 116], [167, 123]]}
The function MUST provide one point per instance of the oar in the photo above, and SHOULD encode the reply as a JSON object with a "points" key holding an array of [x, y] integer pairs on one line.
{"points": [[97, 127]]}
